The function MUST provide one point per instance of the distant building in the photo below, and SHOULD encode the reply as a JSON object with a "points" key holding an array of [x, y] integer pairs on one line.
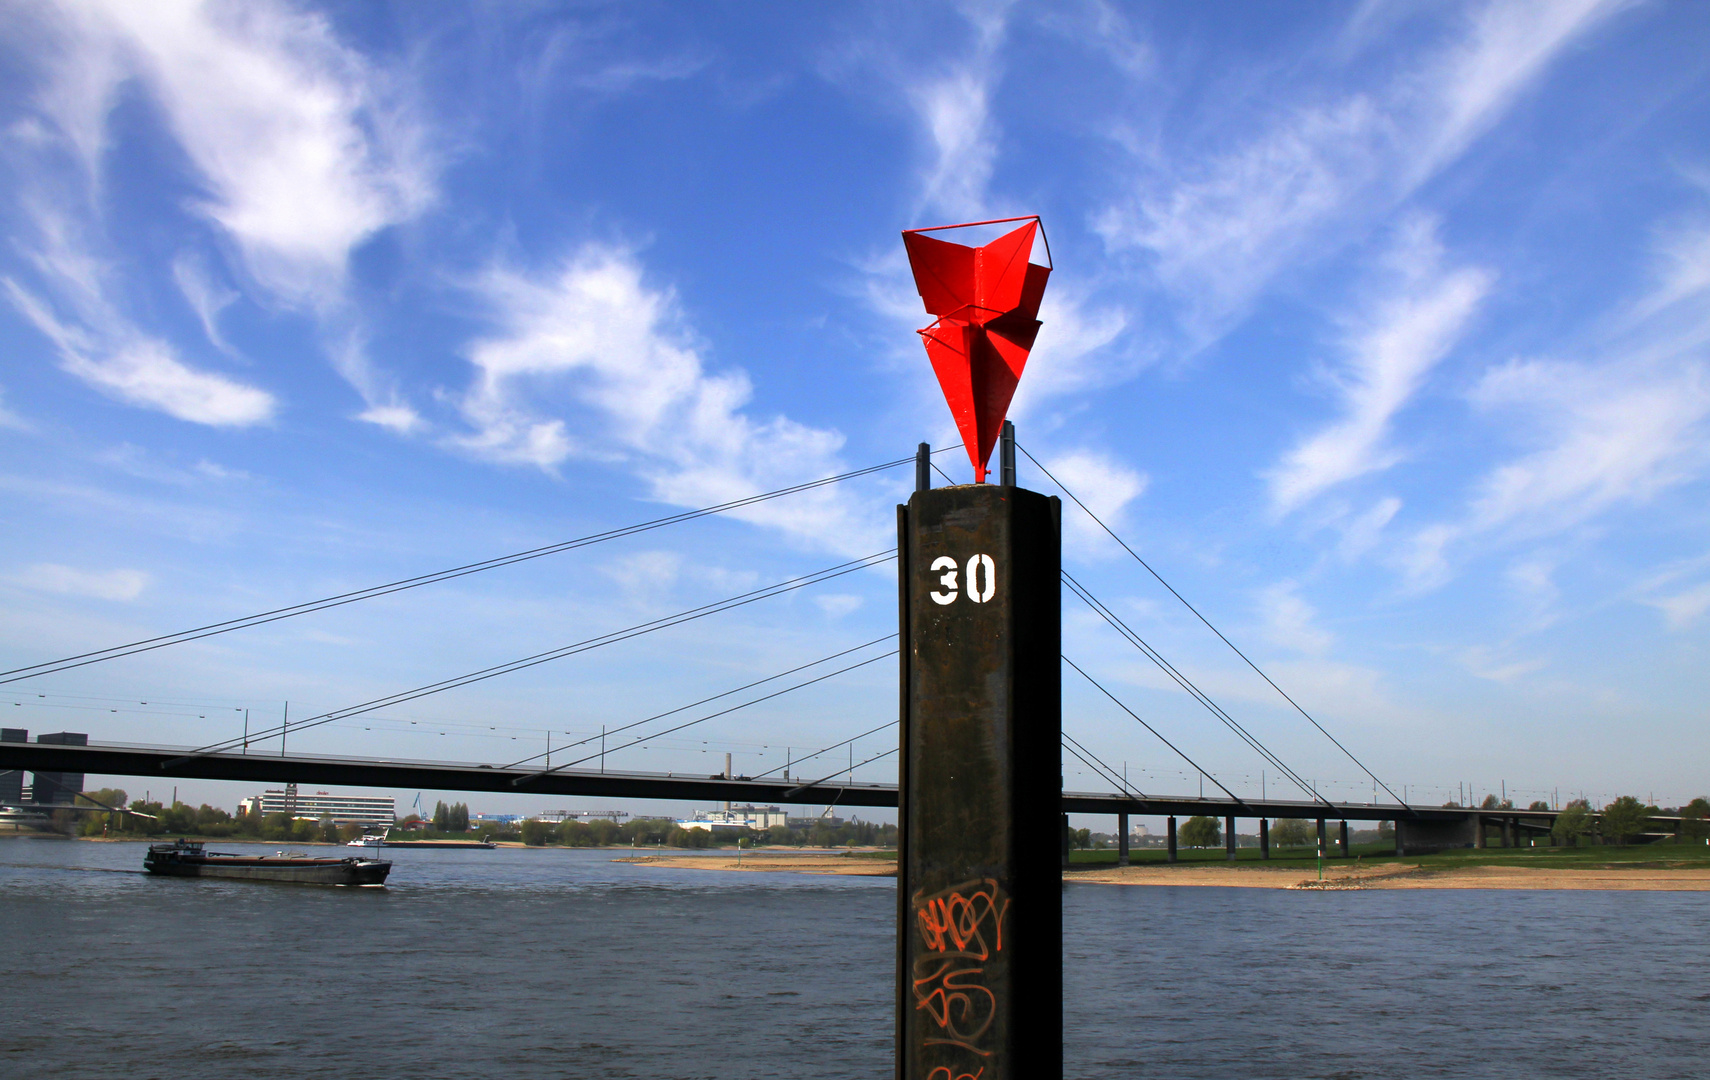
{"points": [[58, 788], [1139, 831], [735, 818], [343, 809], [12, 780]]}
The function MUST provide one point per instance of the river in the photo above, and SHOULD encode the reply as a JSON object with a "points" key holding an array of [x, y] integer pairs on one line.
{"points": [[562, 963]]}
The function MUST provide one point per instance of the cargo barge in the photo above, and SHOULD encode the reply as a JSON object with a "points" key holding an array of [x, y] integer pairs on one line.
{"points": [[185, 858]]}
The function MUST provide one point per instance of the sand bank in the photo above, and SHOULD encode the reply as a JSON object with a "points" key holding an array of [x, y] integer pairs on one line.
{"points": [[817, 862], [1408, 876], [1379, 876]]}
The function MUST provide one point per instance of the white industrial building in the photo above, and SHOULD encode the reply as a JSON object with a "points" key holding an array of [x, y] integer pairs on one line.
{"points": [[358, 809], [733, 818]]}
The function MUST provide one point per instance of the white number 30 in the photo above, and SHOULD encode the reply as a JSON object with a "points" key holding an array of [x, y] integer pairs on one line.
{"points": [[982, 579]]}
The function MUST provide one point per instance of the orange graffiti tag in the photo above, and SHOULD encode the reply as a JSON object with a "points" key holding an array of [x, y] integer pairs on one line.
{"points": [[944, 1071], [961, 929]]}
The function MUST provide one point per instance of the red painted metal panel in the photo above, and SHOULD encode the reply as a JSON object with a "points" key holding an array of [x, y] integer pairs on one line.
{"points": [[987, 302]]}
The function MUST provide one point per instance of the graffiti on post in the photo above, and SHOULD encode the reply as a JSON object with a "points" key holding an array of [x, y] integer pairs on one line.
{"points": [[960, 932]]}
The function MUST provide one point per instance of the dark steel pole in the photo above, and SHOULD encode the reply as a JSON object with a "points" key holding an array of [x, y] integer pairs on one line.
{"points": [[923, 467], [980, 935], [1006, 455]]}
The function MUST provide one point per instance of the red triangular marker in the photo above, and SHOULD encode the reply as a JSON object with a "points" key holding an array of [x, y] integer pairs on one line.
{"points": [[987, 302]]}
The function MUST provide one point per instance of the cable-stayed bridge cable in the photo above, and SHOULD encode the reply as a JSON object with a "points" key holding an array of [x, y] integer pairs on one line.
{"points": [[519, 781], [1196, 613], [1099, 765], [850, 769], [828, 749], [1238, 800], [96, 656], [1187, 684], [740, 600], [703, 701]]}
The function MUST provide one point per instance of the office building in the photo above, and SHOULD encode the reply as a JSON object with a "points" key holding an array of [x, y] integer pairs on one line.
{"points": [[12, 780], [59, 788], [343, 809]]}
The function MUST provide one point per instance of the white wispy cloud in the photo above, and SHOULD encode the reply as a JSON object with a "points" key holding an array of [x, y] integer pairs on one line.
{"points": [[587, 360], [1289, 621], [299, 150], [99, 584], [1390, 352], [954, 106], [11, 420], [303, 146], [1107, 487], [1219, 228], [141, 370]]}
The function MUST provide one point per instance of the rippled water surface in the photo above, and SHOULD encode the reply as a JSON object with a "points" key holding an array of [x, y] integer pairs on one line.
{"points": [[561, 963]]}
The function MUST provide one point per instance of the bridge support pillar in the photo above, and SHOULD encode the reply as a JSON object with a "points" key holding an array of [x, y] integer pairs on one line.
{"points": [[1264, 838], [1342, 841], [1478, 830], [1321, 844], [1229, 837], [1122, 839], [1172, 839], [979, 873]]}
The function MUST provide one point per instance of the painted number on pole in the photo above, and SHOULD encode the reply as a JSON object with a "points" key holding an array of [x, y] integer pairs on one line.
{"points": [[982, 579]]}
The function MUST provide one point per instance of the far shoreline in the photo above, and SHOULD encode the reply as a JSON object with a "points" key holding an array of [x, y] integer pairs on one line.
{"points": [[1337, 878]]}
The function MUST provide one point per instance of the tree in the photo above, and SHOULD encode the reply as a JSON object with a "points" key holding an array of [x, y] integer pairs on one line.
{"points": [[1626, 818], [1539, 804], [537, 833], [1201, 831], [1289, 832], [1692, 825], [441, 817], [329, 830], [1572, 823]]}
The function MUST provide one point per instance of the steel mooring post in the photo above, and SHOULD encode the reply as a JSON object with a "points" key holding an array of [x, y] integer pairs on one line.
{"points": [[979, 882]]}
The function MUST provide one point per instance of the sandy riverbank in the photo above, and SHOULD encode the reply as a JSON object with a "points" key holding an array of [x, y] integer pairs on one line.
{"points": [[1380, 876], [1411, 876], [815, 862]]}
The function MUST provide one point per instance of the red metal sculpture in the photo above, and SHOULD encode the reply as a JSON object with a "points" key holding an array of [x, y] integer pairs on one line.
{"points": [[987, 302]]}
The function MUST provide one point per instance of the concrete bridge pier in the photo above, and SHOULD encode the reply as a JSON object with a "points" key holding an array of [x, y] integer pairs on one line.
{"points": [[1342, 841], [1229, 837], [1478, 830], [1122, 839], [1321, 844], [1172, 830], [1264, 838]]}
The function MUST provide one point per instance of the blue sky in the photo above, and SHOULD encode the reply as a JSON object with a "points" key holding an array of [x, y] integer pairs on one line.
{"points": [[1380, 329]]}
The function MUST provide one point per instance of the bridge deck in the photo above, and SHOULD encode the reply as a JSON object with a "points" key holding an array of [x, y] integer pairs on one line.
{"points": [[170, 762]]}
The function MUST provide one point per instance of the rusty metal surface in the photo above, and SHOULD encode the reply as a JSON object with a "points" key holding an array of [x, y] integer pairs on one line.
{"points": [[980, 940]]}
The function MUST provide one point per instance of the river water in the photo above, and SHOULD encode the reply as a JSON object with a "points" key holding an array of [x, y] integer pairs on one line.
{"points": [[562, 963]]}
